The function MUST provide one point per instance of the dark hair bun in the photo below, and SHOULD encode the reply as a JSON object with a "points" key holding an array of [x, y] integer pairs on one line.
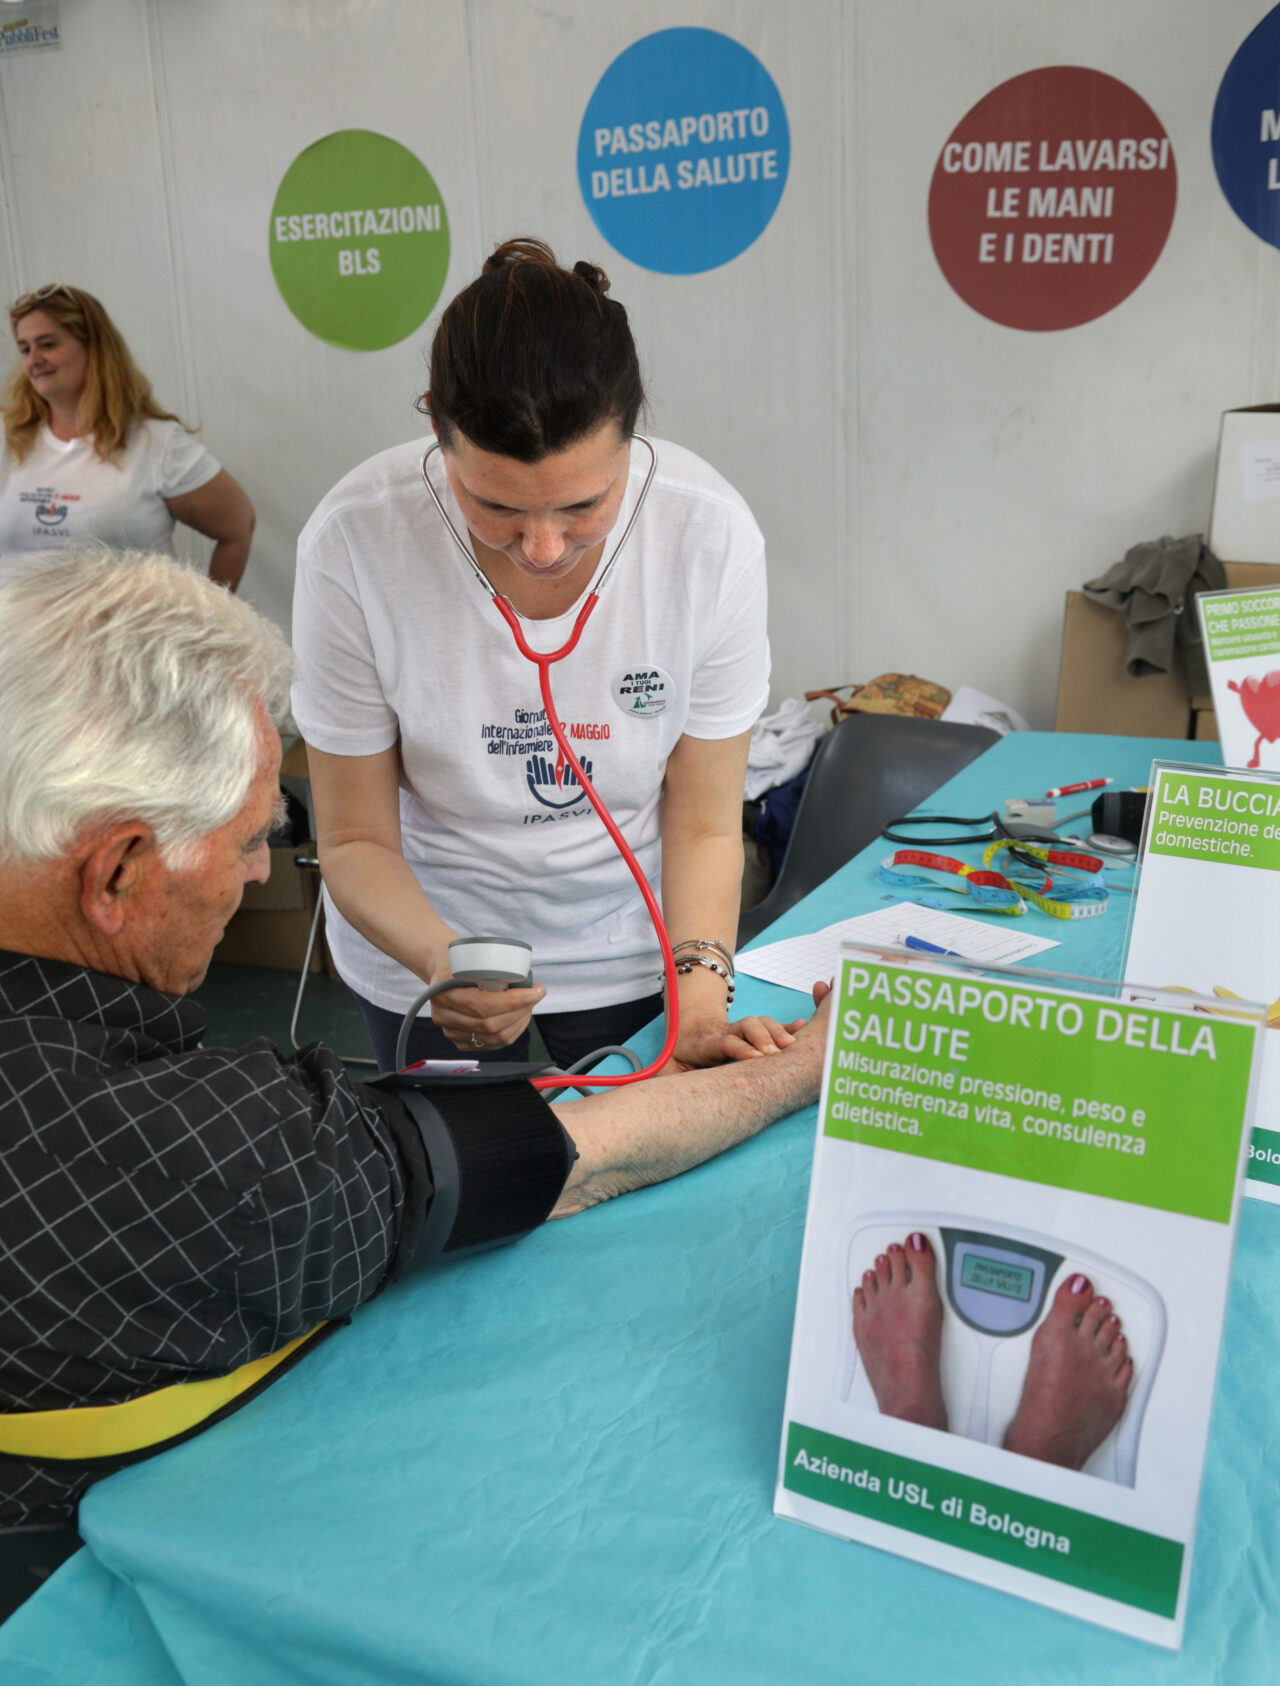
{"points": [[593, 275], [532, 357], [523, 250]]}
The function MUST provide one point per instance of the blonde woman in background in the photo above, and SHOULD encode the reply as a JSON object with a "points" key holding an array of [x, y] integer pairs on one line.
{"points": [[88, 455]]}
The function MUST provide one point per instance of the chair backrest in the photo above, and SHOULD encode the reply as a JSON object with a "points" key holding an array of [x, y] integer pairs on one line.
{"points": [[868, 770]]}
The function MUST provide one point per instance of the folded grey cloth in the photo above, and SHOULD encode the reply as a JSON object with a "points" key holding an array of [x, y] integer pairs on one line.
{"points": [[1155, 587]]}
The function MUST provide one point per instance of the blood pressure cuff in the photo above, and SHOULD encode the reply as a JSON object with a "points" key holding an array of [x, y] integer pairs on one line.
{"points": [[486, 1160]]}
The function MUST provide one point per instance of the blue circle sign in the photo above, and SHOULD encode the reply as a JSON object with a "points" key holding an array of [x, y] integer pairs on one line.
{"points": [[683, 151], [1246, 131]]}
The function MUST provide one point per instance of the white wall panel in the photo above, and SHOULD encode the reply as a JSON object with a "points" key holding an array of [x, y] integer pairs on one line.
{"points": [[998, 468], [929, 483], [245, 90], [743, 363], [84, 183]]}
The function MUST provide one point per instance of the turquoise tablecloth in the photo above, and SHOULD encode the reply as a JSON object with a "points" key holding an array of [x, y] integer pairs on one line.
{"points": [[555, 1463]]}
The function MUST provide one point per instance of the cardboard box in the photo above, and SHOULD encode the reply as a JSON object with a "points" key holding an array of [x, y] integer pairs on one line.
{"points": [[294, 765], [1096, 694], [274, 920], [1245, 524]]}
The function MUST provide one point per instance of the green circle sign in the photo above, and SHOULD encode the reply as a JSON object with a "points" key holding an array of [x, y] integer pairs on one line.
{"points": [[359, 240]]}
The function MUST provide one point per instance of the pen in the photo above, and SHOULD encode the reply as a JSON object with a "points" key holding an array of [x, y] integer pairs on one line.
{"points": [[1072, 789], [932, 948]]}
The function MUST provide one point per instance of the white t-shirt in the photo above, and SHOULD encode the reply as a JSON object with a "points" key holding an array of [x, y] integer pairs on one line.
{"points": [[65, 494], [397, 641]]}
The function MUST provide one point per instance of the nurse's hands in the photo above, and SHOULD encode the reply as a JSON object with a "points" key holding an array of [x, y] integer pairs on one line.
{"points": [[473, 1018], [710, 1039]]}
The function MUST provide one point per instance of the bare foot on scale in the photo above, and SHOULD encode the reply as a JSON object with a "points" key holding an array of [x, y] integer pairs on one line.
{"points": [[1077, 1383], [897, 1325]]}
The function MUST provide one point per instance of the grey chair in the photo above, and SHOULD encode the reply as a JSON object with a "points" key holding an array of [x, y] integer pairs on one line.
{"points": [[868, 770]]}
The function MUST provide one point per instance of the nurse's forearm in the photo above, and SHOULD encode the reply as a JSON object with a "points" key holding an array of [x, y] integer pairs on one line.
{"points": [[376, 891], [702, 887], [701, 893], [228, 562], [702, 850]]}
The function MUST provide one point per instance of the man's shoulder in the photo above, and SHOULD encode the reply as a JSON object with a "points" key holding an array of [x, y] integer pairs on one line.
{"points": [[95, 1065]]}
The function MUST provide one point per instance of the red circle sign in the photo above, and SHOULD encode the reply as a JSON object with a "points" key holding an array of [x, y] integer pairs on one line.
{"points": [[1052, 199]]}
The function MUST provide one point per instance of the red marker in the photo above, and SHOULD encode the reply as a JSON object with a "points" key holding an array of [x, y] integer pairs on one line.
{"points": [[1075, 789]]}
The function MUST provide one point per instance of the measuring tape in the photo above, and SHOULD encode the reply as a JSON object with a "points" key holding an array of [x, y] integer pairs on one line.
{"points": [[991, 891], [995, 893], [1087, 900]]}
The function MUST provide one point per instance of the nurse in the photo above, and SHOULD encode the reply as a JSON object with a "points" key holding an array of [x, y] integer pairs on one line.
{"points": [[89, 456], [443, 806]]}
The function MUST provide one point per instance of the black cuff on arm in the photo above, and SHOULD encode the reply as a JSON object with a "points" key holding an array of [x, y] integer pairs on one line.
{"points": [[419, 1190], [498, 1158]]}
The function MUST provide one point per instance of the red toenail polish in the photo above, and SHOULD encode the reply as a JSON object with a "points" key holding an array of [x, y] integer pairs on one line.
{"points": [[917, 1242], [1078, 1284], [1103, 1304], [1113, 1318], [894, 1247], [880, 1259]]}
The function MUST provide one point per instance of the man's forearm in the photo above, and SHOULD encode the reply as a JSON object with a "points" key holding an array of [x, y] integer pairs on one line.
{"points": [[647, 1132]]}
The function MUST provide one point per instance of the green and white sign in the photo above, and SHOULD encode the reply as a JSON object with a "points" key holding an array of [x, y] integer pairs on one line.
{"points": [[1242, 646], [359, 240], [1015, 1271], [1206, 916]]}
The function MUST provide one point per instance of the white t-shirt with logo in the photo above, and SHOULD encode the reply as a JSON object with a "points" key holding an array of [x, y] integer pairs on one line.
{"points": [[397, 641], [63, 493]]}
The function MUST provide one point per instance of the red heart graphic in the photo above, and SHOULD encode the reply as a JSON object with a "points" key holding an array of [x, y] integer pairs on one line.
{"points": [[1260, 699]]}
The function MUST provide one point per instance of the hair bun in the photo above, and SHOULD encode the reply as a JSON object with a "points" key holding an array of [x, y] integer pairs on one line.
{"points": [[593, 275], [522, 250]]}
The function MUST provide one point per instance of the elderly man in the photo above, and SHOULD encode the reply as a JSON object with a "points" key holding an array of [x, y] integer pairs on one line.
{"points": [[177, 1223]]}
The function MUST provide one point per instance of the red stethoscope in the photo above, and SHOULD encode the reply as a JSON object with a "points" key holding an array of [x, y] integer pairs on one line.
{"points": [[543, 661]]}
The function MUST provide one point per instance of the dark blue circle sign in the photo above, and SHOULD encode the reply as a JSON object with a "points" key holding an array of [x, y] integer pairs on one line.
{"points": [[683, 151], [1246, 131]]}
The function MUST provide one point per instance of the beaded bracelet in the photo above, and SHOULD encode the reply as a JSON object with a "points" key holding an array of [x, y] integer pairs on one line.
{"points": [[709, 943], [691, 960]]}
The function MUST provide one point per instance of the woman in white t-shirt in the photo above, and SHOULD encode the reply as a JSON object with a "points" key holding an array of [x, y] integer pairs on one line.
{"points": [[88, 455], [443, 806]]}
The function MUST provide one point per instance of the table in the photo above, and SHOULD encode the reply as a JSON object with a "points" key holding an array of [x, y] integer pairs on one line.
{"points": [[555, 1462]]}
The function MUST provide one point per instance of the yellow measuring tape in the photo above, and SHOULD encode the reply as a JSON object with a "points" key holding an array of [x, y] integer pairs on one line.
{"points": [[1085, 902], [84, 1432]]}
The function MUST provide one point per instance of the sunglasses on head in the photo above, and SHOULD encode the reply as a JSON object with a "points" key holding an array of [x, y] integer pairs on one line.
{"points": [[25, 301]]}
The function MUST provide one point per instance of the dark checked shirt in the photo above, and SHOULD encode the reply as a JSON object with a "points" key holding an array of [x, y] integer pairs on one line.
{"points": [[169, 1211]]}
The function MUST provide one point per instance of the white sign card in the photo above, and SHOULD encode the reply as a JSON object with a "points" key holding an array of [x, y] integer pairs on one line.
{"points": [[1241, 631], [1015, 1270], [1206, 915], [1260, 469]]}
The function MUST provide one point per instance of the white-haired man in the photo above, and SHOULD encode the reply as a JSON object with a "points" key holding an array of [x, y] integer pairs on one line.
{"points": [[177, 1223]]}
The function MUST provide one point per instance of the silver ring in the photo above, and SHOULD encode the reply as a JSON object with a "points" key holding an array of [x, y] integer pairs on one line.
{"points": [[475, 1041]]}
